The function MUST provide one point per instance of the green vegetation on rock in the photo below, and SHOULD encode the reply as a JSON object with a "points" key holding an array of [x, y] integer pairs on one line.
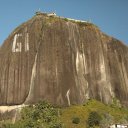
{"points": [[92, 114], [94, 119], [76, 120], [41, 115]]}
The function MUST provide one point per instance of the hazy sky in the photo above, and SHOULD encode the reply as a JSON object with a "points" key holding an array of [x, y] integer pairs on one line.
{"points": [[110, 15]]}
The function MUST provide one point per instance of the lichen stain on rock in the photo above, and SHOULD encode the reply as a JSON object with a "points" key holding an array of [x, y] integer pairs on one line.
{"points": [[52, 56]]}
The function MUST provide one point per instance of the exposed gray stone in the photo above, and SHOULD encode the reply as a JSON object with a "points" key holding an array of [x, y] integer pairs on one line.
{"points": [[49, 58]]}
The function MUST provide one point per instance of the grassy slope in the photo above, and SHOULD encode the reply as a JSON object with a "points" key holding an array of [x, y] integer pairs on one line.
{"points": [[37, 114], [29, 114], [82, 111]]}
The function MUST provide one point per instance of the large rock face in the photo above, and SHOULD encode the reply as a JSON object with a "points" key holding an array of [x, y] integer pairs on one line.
{"points": [[64, 62]]}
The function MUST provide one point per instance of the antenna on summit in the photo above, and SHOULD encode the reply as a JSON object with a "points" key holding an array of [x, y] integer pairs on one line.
{"points": [[39, 10]]}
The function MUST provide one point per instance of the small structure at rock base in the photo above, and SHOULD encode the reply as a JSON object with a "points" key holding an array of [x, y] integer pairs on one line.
{"points": [[118, 126]]}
